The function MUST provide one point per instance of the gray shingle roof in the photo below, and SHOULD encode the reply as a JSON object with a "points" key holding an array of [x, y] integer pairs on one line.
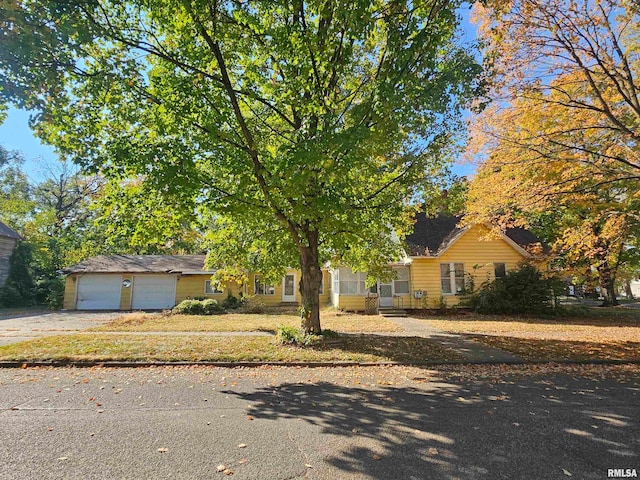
{"points": [[139, 264], [433, 235], [6, 231]]}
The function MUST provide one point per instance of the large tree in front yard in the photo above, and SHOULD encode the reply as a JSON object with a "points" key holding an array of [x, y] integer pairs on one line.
{"points": [[301, 128]]}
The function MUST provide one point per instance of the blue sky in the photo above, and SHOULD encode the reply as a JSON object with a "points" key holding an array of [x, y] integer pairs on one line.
{"points": [[15, 133]]}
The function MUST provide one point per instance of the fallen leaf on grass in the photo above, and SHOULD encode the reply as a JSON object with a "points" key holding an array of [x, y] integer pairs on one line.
{"points": [[375, 456], [432, 451]]}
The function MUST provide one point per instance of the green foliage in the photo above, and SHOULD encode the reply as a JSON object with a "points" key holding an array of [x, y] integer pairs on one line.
{"points": [[50, 291], [300, 130], [232, 303], [19, 289], [287, 335], [199, 307], [523, 290]]}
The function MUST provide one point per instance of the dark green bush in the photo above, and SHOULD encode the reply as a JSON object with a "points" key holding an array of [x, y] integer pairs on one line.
{"points": [[199, 307], [19, 289], [231, 302], [523, 290]]}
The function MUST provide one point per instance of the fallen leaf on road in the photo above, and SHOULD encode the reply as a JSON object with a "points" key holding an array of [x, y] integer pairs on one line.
{"points": [[376, 456], [228, 472], [221, 468], [242, 460], [567, 473], [249, 417], [308, 466], [163, 450], [63, 458], [242, 445]]}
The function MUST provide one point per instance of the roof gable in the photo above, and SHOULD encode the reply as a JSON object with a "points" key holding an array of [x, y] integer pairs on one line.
{"points": [[431, 237]]}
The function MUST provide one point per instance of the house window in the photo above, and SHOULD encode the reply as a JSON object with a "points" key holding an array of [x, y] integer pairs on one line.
{"points": [[452, 278], [211, 289], [348, 282], [500, 270], [263, 288], [401, 284]]}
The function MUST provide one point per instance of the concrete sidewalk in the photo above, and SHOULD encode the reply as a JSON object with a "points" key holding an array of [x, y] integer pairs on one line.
{"points": [[468, 349]]}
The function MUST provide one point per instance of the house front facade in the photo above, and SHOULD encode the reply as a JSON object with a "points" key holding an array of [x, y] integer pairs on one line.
{"points": [[441, 260], [157, 282]]}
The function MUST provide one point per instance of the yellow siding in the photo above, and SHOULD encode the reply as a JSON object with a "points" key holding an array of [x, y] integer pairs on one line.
{"points": [[191, 286], [471, 250], [276, 299], [69, 299], [125, 293]]}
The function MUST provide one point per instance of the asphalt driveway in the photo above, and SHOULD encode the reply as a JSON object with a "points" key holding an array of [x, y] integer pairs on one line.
{"points": [[29, 325]]}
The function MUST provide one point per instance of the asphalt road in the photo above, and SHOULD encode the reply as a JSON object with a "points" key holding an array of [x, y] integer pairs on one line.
{"points": [[333, 423]]}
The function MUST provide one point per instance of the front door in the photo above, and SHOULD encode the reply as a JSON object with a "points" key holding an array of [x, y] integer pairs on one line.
{"points": [[386, 294], [289, 288]]}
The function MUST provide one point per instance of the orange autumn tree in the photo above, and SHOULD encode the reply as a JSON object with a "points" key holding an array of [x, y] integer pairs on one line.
{"points": [[561, 141]]}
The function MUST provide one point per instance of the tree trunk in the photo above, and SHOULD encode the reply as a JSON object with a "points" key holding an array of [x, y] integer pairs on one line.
{"points": [[607, 283], [310, 283], [627, 288]]}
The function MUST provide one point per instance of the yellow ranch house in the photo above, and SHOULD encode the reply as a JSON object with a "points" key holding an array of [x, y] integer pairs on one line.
{"points": [[440, 257]]}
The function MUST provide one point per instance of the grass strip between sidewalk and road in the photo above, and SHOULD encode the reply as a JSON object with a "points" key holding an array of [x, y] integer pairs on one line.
{"points": [[202, 348]]}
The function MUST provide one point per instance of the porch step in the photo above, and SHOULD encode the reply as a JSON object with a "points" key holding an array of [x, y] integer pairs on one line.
{"points": [[392, 312]]}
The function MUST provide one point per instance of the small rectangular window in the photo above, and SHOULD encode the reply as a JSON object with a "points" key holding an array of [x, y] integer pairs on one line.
{"points": [[500, 270], [263, 288], [211, 288], [401, 284]]}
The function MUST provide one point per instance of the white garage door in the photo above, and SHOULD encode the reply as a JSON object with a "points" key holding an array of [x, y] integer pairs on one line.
{"points": [[151, 292], [99, 292]]}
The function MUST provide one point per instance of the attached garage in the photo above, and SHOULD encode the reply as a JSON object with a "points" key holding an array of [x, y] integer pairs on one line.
{"points": [[153, 292], [98, 292]]}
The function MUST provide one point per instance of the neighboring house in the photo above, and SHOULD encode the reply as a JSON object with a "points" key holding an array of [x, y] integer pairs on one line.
{"points": [[8, 240], [148, 282], [440, 258], [635, 288]]}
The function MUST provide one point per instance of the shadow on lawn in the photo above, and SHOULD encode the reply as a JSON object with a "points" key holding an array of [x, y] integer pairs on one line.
{"points": [[526, 429], [535, 349], [394, 348]]}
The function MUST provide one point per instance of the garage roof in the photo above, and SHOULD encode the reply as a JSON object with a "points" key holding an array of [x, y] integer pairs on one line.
{"points": [[139, 264]]}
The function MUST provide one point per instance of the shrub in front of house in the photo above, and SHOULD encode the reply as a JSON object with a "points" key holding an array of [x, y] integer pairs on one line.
{"points": [[199, 307], [524, 290]]}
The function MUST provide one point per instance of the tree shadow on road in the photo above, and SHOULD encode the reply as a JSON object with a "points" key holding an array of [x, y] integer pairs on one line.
{"points": [[458, 429]]}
